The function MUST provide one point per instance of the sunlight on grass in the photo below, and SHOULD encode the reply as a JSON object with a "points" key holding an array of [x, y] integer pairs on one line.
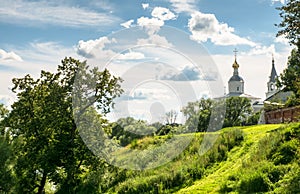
{"points": [[211, 183]]}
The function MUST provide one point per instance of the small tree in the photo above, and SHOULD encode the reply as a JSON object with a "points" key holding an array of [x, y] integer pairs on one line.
{"points": [[198, 114], [237, 111], [171, 117], [290, 78]]}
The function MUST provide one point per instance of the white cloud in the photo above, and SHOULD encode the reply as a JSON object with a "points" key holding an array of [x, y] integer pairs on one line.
{"points": [[44, 12], [94, 48], [206, 26], [183, 6], [163, 13], [156, 40], [145, 5], [261, 50], [281, 1], [145, 21], [282, 40], [152, 25], [131, 56], [9, 56], [186, 74], [45, 54], [127, 24]]}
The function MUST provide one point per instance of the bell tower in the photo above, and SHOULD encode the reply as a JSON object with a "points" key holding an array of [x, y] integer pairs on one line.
{"points": [[272, 81]]}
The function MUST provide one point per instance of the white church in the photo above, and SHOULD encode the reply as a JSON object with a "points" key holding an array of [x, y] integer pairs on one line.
{"points": [[236, 86]]}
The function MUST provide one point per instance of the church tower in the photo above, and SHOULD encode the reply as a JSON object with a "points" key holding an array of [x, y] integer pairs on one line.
{"points": [[235, 83], [272, 81]]}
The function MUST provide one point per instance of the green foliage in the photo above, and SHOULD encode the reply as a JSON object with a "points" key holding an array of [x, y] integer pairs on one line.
{"points": [[253, 183], [290, 21], [3, 114], [253, 119], [290, 78], [293, 100], [198, 114], [6, 156], [237, 110], [286, 152], [187, 168], [49, 147], [290, 181], [271, 166], [125, 130]]}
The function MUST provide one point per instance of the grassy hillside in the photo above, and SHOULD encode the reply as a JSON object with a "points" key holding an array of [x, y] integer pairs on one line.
{"points": [[262, 158]]}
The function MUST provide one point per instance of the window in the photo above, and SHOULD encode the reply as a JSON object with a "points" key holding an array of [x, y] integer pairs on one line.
{"points": [[238, 89]]}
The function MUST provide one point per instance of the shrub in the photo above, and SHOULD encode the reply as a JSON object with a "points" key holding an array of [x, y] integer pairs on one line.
{"points": [[257, 182]]}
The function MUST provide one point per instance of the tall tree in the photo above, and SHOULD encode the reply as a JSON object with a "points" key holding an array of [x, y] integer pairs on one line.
{"points": [[6, 155], [50, 147], [237, 110], [290, 28], [290, 23]]}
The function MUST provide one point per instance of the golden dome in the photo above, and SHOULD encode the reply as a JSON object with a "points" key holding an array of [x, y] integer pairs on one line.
{"points": [[235, 65]]}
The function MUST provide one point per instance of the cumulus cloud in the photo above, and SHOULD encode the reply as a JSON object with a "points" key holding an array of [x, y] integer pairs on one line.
{"points": [[206, 26], [50, 12], [152, 25], [127, 24], [183, 6], [145, 5], [186, 74], [131, 56], [154, 39], [9, 56], [163, 13], [145, 21], [92, 48], [261, 50]]}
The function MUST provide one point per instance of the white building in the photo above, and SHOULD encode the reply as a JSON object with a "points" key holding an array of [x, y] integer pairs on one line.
{"points": [[236, 88]]}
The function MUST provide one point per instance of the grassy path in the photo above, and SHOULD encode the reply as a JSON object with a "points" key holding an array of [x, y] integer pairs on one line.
{"points": [[211, 183]]}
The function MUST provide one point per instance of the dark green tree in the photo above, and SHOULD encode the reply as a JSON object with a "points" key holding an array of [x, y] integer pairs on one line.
{"points": [[50, 148], [237, 111], [289, 80], [6, 155], [290, 28], [198, 114], [125, 130], [290, 24]]}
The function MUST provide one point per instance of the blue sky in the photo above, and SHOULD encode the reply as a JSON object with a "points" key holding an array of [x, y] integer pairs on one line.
{"points": [[36, 35]]}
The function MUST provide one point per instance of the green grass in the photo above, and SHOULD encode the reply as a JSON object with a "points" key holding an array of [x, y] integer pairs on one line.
{"points": [[235, 160], [253, 159]]}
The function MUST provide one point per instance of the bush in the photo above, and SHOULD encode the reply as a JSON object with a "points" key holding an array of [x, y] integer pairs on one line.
{"points": [[286, 152], [257, 182]]}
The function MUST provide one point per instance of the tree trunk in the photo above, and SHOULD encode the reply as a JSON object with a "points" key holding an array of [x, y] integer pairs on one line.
{"points": [[42, 184]]}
